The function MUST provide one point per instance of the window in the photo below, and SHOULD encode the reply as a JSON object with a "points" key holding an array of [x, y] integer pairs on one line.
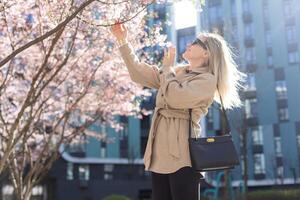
{"points": [[293, 57], [233, 8], [234, 33], [37, 192], [108, 167], [287, 9], [265, 12], [124, 131], [250, 55], [250, 84], [277, 143], [242, 165], [290, 32], [108, 171], [281, 90], [283, 114], [246, 6], [209, 119], [124, 137], [270, 60], [297, 127], [259, 164], [7, 192], [210, 115], [70, 168], [257, 135], [298, 141], [280, 171], [103, 143], [103, 150], [84, 172], [215, 13], [249, 30], [268, 38], [79, 146], [251, 107]]}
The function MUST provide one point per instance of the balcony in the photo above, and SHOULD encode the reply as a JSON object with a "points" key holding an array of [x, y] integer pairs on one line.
{"points": [[267, 26], [269, 51], [282, 103], [233, 20], [248, 94], [235, 43], [257, 148], [217, 23], [251, 67], [214, 2], [249, 42], [292, 47], [252, 121], [290, 21], [247, 17]]}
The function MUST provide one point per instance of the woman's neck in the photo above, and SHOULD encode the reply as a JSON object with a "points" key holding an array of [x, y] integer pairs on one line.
{"points": [[196, 64]]}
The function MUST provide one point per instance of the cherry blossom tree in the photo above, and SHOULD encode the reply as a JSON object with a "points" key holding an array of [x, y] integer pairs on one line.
{"points": [[60, 72]]}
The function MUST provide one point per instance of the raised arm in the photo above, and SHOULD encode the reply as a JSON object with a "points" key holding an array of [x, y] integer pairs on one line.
{"points": [[140, 72]]}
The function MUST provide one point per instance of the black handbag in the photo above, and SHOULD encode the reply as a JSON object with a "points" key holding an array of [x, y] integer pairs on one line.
{"points": [[214, 152]]}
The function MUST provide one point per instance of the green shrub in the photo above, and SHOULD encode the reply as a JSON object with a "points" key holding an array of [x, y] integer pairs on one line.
{"points": [[116, 197], [279, 194]]}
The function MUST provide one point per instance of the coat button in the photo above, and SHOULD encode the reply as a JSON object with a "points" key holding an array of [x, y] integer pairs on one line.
{"points": [[162, 95], [160, 71]]}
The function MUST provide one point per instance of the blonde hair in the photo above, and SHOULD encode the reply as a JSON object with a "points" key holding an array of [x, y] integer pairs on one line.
{"points": [[221, 63]]}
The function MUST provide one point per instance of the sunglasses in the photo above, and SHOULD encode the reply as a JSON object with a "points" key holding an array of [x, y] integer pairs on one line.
{"points": [[199, 42]]}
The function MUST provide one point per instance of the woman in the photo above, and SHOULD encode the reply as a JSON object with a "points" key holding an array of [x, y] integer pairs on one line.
{"points": [[179, 88]]}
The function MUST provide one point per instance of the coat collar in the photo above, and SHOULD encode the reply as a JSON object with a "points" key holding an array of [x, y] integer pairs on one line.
{"points": [[198, 70]]}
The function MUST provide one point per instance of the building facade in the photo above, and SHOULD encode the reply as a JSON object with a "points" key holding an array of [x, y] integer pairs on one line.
{"points": [[267, 49]]}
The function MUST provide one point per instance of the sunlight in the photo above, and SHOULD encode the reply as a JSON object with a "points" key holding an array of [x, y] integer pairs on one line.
{"points": [[185, 14]]}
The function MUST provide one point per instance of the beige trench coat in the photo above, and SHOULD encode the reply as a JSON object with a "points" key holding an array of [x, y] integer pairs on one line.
{"points": [[179, 88]]}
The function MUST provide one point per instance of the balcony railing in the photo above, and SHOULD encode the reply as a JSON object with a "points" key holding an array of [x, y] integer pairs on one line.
{"points": [[248, 93], [290, 21], [252, 121], [249, 42], [251, 67], [247, 17], [292, 47], [257, 148]]}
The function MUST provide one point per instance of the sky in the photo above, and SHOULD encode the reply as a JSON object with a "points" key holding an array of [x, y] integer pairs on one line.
{"points": [[185, 14]]}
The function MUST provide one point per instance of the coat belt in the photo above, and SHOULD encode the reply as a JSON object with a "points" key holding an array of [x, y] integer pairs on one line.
{"points": [[172, 130]]}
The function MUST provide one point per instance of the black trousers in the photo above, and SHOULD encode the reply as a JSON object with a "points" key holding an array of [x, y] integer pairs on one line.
{"points": [[184, 184]]}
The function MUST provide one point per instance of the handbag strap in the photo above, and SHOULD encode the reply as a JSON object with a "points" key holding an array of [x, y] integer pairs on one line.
{"points": [[224, 114]]}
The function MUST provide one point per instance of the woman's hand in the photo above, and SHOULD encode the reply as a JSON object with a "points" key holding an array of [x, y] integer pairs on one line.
{"points": [[169, 56], [120, 32]]}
